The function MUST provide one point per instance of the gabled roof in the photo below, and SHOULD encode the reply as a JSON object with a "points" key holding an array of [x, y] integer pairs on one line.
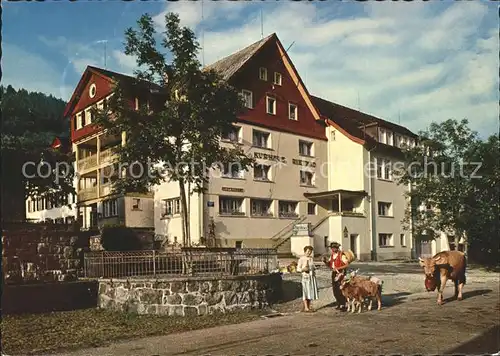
{"points": [[110, 75], [61, 143], [228, 66]]}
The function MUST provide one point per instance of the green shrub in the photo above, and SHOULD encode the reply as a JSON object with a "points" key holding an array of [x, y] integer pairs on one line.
{"points": [[120, 238]]}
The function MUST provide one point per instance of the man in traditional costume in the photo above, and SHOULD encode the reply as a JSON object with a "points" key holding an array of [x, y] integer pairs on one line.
{"points": [[338, 262]]}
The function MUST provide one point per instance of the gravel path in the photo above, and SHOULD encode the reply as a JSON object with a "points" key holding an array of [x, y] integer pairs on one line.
{"points": [[402, 281]]}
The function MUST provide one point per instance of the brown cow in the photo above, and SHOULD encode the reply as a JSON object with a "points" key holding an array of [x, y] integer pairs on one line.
{"points": [[443, 266]]}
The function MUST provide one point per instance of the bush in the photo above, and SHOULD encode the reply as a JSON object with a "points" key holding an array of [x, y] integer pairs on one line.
{"points": [[120, 238]]}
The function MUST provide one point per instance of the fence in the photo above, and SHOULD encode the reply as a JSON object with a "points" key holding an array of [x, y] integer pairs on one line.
{"points": [[186, 262]]}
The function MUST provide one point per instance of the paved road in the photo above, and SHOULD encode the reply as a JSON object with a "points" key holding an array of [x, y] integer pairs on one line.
{"points": [[409, 323]]}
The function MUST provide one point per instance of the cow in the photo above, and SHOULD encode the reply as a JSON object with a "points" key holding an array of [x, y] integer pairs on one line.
{"points": [[443, 266]]}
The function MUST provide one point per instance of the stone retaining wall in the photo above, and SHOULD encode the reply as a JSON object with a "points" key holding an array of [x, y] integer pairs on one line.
{"points": [[42, 252], [188, 296]]}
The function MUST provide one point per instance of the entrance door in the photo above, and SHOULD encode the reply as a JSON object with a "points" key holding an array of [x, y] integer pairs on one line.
{"points": [[354, 244]]}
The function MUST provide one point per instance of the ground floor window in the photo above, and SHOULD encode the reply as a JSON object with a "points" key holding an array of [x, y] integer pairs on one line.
{"points": [[261, 207], [311, 209], [385, 240], [238, 244], [231, 206], [288, 208], [402, 240], [171, 206], [110, 208]]}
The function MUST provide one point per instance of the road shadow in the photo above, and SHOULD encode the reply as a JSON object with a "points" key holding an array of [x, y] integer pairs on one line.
{"points": [[470, 294], [291, 291], [485, 344], [390, 300]]}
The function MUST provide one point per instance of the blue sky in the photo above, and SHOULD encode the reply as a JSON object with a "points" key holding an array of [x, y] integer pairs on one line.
{"points": [[412, 63]]}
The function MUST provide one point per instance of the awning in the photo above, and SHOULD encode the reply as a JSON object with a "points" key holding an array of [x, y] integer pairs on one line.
{"points": [[334, 193]]}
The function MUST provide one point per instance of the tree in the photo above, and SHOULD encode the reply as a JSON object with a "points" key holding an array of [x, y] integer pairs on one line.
{"points": [[177, 131], [439, 173], [482, 205], [30, 121]]}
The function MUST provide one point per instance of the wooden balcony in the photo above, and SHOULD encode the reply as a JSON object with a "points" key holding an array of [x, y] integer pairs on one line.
{"points": [[107, 156], [105, 189], [87, 194], [87, 163]]}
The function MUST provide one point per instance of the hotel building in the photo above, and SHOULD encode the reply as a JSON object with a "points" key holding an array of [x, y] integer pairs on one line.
{"points": [[313, 156]]}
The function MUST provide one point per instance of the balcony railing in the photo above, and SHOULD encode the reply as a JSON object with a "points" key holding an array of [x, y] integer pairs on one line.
{"points": [[105, 189], [88, 193], [107, 156], [87, 163]]}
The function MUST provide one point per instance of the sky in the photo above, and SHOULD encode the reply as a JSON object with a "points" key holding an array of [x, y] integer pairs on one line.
{"points": [[410, 63]]}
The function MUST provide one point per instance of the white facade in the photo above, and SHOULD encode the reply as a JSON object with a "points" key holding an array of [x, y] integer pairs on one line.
{"points": [[46, 209]]}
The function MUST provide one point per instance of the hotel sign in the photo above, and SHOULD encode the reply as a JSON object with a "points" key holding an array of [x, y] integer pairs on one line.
{"points": [[234, 190], [269, 157], [299, 162], [303, 229]]}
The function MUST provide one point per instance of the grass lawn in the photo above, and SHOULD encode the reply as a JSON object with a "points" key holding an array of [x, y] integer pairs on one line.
{"points": [[63, 331]]}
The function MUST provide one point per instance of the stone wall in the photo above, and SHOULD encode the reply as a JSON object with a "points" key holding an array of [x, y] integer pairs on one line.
{"points": [[42, 252], [190, 295]]}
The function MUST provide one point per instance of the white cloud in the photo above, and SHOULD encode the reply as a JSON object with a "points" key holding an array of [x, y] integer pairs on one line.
{"points": [[23, 69], [421, 62]]}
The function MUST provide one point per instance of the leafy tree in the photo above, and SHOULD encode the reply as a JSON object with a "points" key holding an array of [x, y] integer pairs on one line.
{"points": [[440, 177], [177, 132], [30, 121], [120, 238], [483, 205]]}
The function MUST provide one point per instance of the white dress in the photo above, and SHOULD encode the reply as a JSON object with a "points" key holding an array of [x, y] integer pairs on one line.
{"points": [[309, 283]]}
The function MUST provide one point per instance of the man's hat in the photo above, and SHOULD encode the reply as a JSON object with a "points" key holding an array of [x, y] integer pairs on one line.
{"points": [[334, 245]]}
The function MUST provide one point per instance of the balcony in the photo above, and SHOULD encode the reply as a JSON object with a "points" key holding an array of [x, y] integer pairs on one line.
{"points": [[87, 163], [87, 194], [105, 189], [107, 156]]}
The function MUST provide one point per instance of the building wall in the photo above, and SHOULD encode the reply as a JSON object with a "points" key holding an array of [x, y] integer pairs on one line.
{"points": [[170, 226], [284, 185], [389, 191], [54, 213], [345, 165]]}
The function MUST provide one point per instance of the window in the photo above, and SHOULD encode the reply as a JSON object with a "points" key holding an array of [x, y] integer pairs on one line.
{"points": [[262, 73], [305, 148], [311, 209], [110, 208], [306, 178], [385, 240], [381, 135], [261, 172], [277, 78], [260, 139], [398, 140], [232, 170], [292, 111], [84, 118], [233, 135], [384, 209], [402, 240], [325, 239], [411, 142], [389, 138], [171, 207], [287, 209], [261, 207], [230, 206], [136, 204], [247, 96], [384, 170], [270, 105], [238, 244]]}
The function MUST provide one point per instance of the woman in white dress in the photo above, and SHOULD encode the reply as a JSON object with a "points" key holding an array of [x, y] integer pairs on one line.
{"points": [[309, 283]]}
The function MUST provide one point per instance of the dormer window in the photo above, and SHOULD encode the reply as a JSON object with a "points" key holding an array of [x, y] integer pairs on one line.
{"points": [[277, 78], [389, 138], [271, 105], [263, 73], [247, 96], [292, 111]]}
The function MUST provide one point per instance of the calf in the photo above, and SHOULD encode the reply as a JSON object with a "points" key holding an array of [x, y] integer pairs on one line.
{"points": [[358, 288], [443, 266]]}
